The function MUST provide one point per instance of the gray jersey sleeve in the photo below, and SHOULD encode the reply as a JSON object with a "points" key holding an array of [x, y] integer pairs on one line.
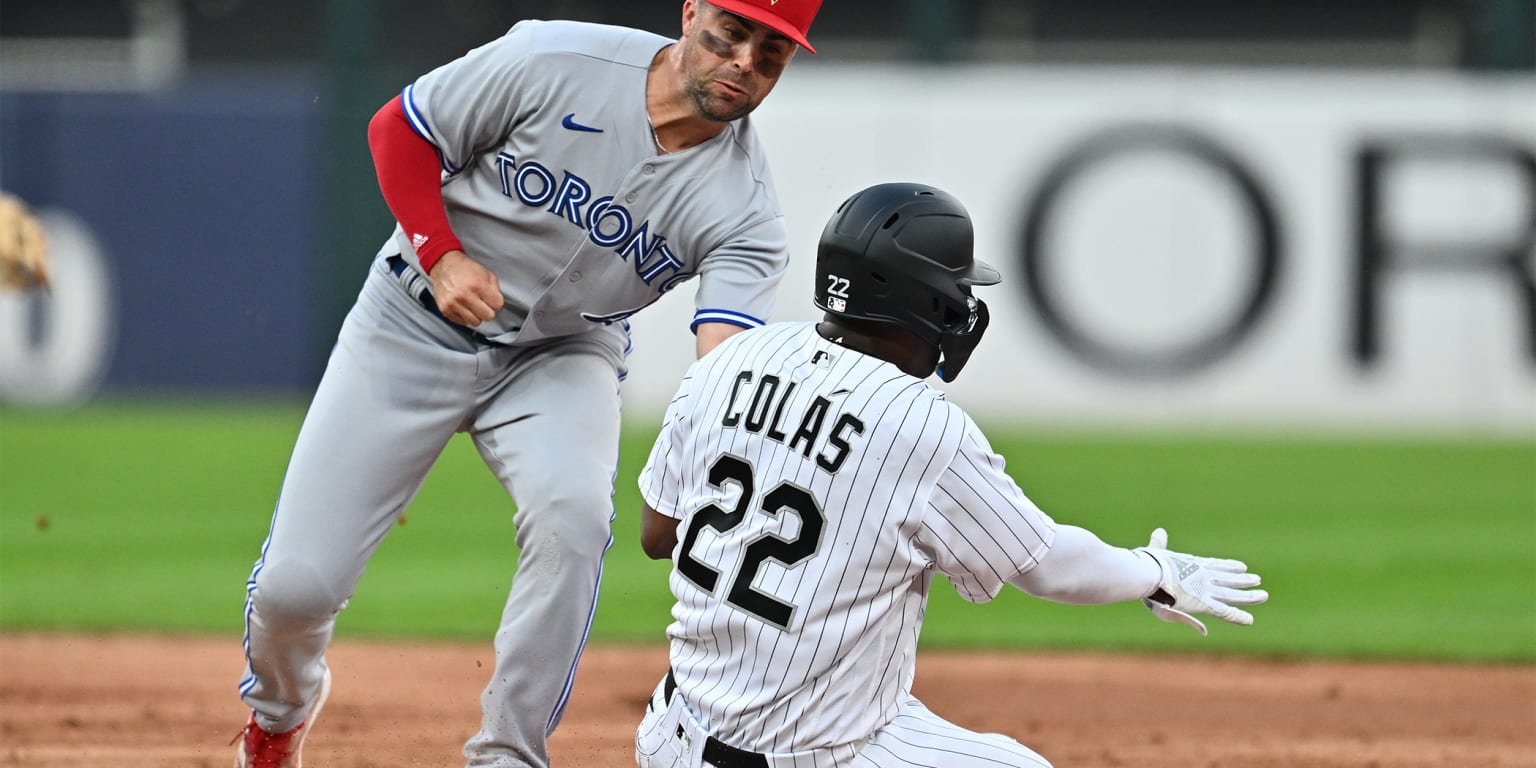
{"points": [[739, 281], [979, 528], [469, 105]]}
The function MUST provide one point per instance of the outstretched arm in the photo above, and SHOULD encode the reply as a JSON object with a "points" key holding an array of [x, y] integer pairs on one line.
{"points": [[1080, 569], [1083, 570]]}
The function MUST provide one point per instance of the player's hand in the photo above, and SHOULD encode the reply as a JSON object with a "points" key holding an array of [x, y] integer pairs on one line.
{"points": [[466, 292], [1191, 584]]}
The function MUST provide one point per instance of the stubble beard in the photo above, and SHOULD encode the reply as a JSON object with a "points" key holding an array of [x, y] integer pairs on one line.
{"points": [[703, 102]]}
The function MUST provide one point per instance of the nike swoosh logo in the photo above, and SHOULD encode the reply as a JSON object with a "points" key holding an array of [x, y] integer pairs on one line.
{"points": [[570, 123]]}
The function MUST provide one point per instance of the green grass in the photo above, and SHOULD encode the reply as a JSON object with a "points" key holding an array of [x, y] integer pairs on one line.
{"points": [[149, 517]]}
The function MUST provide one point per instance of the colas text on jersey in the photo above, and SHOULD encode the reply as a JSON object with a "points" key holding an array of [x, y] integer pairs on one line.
{"points": [[772, 395]]}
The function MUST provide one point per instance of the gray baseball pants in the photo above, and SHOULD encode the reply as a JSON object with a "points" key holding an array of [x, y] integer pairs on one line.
{"points": [[400, 382]]}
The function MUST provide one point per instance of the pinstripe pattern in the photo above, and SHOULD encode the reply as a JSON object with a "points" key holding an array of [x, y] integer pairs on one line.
{"points": [[918, 492], [917, 738]]}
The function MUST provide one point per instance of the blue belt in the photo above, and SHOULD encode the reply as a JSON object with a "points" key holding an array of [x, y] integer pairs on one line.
{"points": [[398, 265]]}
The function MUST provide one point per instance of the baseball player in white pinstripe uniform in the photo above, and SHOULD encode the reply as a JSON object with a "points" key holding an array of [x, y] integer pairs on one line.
{"points": [[547, 185], [809, 483]]}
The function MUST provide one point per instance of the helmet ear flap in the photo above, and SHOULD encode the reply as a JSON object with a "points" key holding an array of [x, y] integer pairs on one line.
{"points": [[957, 347]]}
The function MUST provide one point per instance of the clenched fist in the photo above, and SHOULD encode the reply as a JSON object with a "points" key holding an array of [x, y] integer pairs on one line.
{"points": [[466, 292]]}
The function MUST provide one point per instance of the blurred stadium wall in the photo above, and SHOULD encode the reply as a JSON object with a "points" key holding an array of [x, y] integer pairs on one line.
{"points": [[1306, 214]]}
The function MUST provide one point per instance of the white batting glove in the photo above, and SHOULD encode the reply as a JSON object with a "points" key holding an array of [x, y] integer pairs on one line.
{"points": [[1192, 584]]}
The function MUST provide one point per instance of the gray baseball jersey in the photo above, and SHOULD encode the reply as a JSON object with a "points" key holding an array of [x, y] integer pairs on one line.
{"points": [[551, 180], [819, 490]]}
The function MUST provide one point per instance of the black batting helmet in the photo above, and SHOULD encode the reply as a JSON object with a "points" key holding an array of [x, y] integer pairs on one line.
{"points": [[902, 253]]}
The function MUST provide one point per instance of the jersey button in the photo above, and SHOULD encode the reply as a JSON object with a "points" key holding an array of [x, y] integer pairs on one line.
{"points": [[648, 170], [575, 276], [630, 198]]}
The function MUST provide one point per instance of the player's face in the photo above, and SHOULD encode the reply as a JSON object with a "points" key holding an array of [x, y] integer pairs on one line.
{"points": [[729, 63]]}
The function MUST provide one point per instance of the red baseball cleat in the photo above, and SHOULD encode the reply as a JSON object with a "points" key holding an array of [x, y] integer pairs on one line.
{"points": [[259, 749]]}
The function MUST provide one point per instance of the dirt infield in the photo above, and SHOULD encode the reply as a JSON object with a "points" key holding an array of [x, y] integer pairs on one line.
{"points": [[135, 702]]}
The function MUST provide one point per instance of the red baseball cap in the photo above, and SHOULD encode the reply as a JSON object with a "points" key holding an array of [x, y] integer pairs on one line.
{"points": [[791, 18]]}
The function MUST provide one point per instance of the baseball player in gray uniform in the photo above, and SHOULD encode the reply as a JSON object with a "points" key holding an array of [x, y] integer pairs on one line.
{"points": [[547, 186], [808, 483]]}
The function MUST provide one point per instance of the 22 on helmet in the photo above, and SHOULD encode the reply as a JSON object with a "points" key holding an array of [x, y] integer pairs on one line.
{"points": [[901, 253]]}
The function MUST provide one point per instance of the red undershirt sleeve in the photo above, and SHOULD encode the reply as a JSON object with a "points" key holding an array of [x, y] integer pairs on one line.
{"points": [[410, 178]]}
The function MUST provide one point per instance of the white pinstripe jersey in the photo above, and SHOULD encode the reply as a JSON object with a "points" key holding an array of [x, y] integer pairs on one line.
{"points": [[819, 490]]}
